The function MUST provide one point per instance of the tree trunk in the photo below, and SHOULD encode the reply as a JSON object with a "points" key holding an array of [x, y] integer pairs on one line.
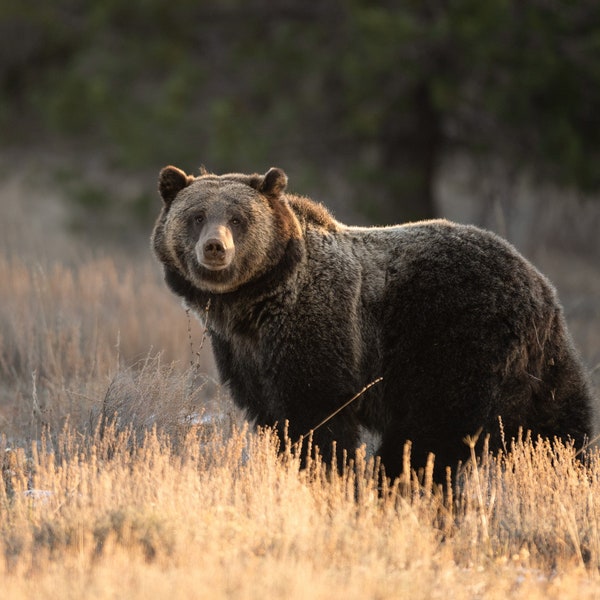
{"points": [[410, 155]]}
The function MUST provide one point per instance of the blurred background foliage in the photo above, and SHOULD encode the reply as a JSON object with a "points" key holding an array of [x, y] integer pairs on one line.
{"points": [[377, 93]]}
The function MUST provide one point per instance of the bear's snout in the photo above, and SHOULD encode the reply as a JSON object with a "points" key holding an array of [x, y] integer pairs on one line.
{"points": [[215, 249]]}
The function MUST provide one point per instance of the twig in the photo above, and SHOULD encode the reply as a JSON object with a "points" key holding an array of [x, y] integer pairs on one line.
{"points": [[591, 443], [355, 397], [204, 334]]}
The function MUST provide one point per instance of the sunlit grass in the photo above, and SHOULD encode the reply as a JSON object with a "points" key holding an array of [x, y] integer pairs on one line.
{"points": [[220, 514]]}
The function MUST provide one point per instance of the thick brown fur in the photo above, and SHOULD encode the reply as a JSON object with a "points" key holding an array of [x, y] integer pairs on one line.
{"points": [[464, 331]]}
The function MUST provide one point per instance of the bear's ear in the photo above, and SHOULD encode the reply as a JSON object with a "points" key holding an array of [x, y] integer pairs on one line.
{"points": [[171, 181], [274, 182]]}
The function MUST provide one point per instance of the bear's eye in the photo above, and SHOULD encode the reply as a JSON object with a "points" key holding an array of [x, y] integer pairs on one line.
{"points": [[198, 219], [235, 221]]}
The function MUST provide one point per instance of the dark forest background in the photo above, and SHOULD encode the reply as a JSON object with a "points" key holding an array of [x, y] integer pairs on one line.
{"points": [[365, 98]]}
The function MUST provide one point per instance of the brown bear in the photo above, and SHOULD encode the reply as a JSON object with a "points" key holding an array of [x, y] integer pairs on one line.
{"points": [[303, 312]]}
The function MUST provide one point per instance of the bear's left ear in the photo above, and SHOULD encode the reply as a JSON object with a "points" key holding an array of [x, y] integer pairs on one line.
{"points": [[274, 182], [171, 181]]}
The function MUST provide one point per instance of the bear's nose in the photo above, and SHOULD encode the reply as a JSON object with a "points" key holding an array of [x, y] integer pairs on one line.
{"points": [[214, 249]]}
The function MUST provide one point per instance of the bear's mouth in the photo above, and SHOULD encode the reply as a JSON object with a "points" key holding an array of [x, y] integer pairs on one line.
{"points": [[213, 271], [215, 277], [215, 265]]}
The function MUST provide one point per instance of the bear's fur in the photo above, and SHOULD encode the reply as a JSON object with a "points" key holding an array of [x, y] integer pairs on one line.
{"points": [[305, 311]]}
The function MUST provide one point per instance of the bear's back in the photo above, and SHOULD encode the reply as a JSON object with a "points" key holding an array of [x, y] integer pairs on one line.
{"points": [[442, 252], [448, 283]]}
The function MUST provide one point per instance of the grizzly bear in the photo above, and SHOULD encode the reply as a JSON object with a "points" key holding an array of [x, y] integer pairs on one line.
{"points": [[303, 312]]}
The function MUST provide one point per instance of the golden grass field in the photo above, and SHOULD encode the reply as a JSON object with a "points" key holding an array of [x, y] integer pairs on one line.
{"points": [[168, 501]]}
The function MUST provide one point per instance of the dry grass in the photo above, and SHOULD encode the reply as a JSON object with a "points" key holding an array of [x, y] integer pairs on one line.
{"points": [[224, 516], [162, 499], [66, 332]]}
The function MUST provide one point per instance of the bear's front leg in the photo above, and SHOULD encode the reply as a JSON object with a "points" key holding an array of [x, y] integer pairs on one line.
{"points": [[333, 439]]}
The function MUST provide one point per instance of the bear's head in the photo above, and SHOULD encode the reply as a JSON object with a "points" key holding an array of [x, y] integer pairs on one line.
{"points": [[220, 232]]}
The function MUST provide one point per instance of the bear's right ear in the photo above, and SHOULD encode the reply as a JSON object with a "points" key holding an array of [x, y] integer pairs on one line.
{"points": [[171, 181]]}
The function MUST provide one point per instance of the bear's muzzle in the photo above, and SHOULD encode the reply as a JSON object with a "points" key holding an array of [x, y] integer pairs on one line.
{"points": [[215, 248]]}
